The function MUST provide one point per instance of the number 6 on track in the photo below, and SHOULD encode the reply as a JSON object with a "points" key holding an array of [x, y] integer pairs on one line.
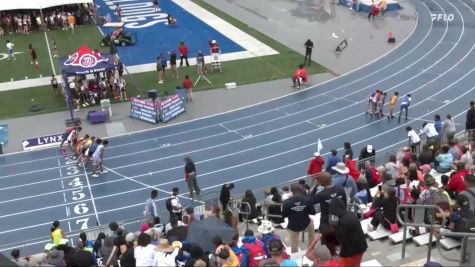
{"points": [[81, 208]]}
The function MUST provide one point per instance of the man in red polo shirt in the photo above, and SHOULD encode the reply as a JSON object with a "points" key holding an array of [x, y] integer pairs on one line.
{"points": [[316, 166], [187, 84], [183, 49], [457, 180]]}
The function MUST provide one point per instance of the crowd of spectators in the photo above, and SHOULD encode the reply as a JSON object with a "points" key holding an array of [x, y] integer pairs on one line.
{"points": [[26, 21]]}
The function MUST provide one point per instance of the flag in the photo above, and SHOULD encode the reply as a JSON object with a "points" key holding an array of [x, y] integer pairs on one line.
{"points": [[319, 145]]}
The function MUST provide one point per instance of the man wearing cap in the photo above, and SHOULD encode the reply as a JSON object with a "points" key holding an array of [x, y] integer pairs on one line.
{"points": [[324, 197], [367, 153], [316, 166], [348, 233], [80, 257], [343, 179], [276, 250], [456, 182], [297, 209]]}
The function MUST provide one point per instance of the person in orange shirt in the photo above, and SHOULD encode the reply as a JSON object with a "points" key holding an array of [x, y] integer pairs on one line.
{"points": [[392, 105], [71, 21], [300, 76]]}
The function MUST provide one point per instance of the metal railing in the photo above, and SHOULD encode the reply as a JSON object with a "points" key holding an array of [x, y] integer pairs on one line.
{"points": [[420, 214], [236, 206], [467, 250]]}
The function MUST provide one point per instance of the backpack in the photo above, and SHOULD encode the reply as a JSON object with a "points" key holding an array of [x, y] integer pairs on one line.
{"points": [[168, 204], [256, 253], [438, 198], [467, 222], [403, 195], [277, 237]]}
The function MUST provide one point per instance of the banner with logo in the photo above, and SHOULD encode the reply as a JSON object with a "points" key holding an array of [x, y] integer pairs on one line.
{"points": [[43, 141], [171, 107], [144, 110]]}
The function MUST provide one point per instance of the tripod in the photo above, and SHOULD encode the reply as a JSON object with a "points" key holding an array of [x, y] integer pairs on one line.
{"points": [[202, 76]]}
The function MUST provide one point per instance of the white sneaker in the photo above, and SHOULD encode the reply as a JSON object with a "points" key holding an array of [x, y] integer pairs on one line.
{"points": [[94, 175], [104, 171]]}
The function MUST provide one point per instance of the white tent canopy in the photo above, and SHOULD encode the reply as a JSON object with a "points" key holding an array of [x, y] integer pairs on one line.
{"points": [[36, 4]]}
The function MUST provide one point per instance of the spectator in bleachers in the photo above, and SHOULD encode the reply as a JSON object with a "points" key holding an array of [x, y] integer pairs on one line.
{"points": [[320, 254], [414, 139], [316, 166], [363, 195], [426, 156], [22, 262], [226, 257], [79, 257], [176, 230], [466, 157], [333, 159], [304, 187], [328, 192], [456, 182], [109, 252], [144, 252], [197, 254], [341, 178], [251, 200], [373, 176], [470, 122], [402, 191], [438, 127], [448, 127], [353, 169], [432, 195], [57, 233], [149, 223], [225, 194], [56, 258], [444, 180], [98, 244], [189, 216], [470, 190], [165, 253], [127, 258], [454, 149], [274, 207], [392, 167], [444, 160], [254, 249], [348, 232], [297, 209], [286, 193], [120, 242], [183, 254], [114, 227], [386, 204], [367, 153], [268, 234], [276, 250]]}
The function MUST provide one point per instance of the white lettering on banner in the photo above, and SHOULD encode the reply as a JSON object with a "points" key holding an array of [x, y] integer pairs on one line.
{"points": [[136, 13], [443, 17]]}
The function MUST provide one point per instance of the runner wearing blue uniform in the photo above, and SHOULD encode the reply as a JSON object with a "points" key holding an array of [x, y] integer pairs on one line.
{"points": [[405, 103]]}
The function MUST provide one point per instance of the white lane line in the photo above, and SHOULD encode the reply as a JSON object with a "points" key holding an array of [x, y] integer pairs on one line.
{"points": [[39, 182], [277, 98], [44, 208], [92, 197], [49, 52]]}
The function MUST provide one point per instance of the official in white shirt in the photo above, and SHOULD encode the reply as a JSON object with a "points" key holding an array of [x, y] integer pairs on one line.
{"points": [[430, 132]]}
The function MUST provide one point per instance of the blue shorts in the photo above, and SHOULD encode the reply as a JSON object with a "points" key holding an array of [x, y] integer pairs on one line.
{"points": [[404, 107]]}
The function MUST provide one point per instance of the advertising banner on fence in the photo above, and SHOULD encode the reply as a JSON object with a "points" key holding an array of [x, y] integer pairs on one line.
{"points": [[43, 141], [171, 107], [144, 110]]}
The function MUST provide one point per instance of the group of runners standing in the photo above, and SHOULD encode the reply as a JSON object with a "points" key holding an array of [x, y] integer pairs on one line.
{"points": [[377, 99], [86, 149]]}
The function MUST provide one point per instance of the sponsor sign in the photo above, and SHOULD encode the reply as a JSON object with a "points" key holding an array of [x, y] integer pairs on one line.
{"points": [[85, 58], [341, 46], [144, 110], [171, 108], [42, 141], [442, 17]]}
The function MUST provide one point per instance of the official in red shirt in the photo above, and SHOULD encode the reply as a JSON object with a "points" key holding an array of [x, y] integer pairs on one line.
{"points": [[316, 166], [457, 180], [213, 46], [187, 84], [183, 49]]}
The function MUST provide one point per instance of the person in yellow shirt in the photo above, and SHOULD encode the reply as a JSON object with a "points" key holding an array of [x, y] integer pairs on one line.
{"points": [[226, 257], [71, 21], [56, 233], [392, 105]]}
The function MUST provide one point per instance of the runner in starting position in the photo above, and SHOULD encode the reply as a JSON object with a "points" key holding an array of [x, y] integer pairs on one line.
{"points": [[98, 157], [405, 103]]}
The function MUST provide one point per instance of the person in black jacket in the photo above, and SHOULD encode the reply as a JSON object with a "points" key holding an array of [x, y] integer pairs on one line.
{"points": [[225, 195], [386, 209], [470, 122], [426, 156], [348, 232], [251, 200], [190, 177], [348, 150], [368, 153]]}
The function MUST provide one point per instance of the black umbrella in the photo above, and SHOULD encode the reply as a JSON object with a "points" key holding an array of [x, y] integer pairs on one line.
{"points": [[202, 232]]}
